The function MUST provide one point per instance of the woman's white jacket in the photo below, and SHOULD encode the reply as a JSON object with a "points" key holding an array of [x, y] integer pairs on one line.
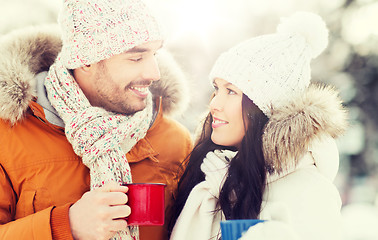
{"points": [[303, 203], [300, 200]]}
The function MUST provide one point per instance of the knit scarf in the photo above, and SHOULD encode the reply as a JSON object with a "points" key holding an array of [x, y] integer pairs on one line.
{"points": [[96, 135], [200, 218]]}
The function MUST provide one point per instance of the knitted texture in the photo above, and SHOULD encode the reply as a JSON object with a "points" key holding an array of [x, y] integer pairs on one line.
{"points": [[95, 134], [200, 218], [98, 29], [273, 69]]}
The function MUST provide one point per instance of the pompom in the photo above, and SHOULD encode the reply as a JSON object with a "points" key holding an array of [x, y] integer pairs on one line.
{"points": [[310, 26]]}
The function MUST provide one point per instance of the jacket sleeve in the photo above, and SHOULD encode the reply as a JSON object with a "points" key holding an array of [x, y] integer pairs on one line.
{"points": [[60, 223], [34, 226]]}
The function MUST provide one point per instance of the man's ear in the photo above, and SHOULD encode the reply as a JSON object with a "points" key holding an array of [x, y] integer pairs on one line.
{"points": [[84, 71], [85, 68]]}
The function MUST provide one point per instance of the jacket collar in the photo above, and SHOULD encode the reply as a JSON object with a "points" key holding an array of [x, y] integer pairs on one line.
{"points": [[51, 114]]}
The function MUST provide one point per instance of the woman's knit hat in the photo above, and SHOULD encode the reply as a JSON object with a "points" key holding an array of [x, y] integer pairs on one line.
{"points": [[273, 69], [99, 29]]}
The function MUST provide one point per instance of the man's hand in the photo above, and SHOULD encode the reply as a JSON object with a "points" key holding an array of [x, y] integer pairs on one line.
{"points": [[100, 213]]}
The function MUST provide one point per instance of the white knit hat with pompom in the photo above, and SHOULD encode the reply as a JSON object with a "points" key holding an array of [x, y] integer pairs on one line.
{"points": [[273, 69], [99, 29]]}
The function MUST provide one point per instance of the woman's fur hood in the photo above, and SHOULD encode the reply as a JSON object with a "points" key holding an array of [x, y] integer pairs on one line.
{"points": [[291, 129], [27, 52]]}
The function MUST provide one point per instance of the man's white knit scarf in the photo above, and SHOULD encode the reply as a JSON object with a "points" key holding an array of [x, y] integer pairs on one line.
{"points": [[96, 135]]}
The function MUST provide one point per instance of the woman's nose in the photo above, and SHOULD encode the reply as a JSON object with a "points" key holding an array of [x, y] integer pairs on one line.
{"points": [[216, 103]]}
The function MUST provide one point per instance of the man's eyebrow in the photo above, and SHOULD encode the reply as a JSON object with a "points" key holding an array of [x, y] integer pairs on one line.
{"points": [[137, 50], [140, 49]]}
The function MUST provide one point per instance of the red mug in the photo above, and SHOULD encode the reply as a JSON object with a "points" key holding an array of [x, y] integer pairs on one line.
{"points": [[146, 201]]}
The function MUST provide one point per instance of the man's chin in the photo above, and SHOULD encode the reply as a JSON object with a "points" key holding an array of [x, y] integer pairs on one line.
{"points": [[126, 109], [133, 110]]}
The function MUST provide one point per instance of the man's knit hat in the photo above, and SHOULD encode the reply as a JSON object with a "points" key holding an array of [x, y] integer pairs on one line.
{"points": [[272, 69], [99, 29]]}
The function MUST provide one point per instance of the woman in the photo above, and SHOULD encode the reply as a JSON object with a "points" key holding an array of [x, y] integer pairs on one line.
{"points": [[267, 147]]}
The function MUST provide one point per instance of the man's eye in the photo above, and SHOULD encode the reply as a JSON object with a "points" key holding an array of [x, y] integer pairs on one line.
{"points": [[137, 59]]}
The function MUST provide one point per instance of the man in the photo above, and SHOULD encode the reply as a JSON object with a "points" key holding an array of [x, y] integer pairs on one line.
{"points": [[70, 135]]}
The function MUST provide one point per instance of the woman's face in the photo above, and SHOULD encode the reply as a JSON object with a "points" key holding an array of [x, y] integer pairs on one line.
{"points": [[226, 110]]}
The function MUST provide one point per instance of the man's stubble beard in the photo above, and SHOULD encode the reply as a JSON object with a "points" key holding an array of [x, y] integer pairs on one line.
{"points": [[106, 97], [112, 103]]}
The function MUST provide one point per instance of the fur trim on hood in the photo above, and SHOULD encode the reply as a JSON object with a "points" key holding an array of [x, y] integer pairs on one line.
{"points": [[172, 87], [23, 54], [27, 52], [291, 129]]}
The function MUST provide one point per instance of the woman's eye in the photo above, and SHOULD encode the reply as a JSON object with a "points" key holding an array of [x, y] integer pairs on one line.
{"points": [[231, 92]]}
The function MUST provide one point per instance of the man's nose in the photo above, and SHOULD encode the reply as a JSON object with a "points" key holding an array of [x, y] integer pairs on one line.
{"points": [[151, 71]]}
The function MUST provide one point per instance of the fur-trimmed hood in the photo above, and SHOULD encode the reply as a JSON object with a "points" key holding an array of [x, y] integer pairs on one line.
{"points": [[292, 129], [26, 52]]}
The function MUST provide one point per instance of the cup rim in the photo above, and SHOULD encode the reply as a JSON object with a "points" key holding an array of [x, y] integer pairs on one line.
{"points": [[243, 220], [145, 184]]}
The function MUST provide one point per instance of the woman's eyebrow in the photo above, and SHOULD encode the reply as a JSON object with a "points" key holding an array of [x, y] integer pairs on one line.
{"points": [[224, 85]]}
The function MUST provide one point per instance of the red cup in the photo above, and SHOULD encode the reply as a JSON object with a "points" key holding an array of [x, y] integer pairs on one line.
{"points": [[146, 201]]}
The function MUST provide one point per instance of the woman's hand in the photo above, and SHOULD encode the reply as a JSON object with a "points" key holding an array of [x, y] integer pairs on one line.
{"points": [[215, 167]]}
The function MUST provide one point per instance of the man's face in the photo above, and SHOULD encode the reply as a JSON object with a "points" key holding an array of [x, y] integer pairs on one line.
{"points": [[120, 84]]}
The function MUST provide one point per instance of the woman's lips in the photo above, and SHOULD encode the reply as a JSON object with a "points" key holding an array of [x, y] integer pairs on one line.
{"points": [[218, 122]]}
